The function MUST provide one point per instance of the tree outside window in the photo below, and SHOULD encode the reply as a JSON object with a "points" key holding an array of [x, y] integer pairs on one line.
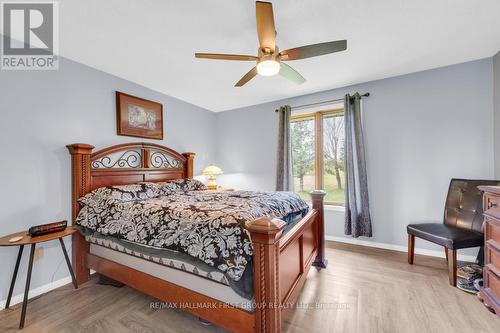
{"points": [[318, 143]]}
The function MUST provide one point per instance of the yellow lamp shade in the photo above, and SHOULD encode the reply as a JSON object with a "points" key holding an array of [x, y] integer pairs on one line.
{"points": [[212, 170]]}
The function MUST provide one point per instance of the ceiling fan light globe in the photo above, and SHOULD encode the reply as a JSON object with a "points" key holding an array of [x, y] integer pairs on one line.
{"points": [[268, 67]]}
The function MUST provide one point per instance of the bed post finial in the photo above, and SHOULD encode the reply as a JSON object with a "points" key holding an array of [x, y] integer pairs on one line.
{"points": [[189, 164], [317, 204], [265, 234], [80, 185]]}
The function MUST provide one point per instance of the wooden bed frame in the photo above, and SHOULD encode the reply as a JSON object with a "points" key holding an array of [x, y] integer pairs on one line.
{"points": [[280, 262]]}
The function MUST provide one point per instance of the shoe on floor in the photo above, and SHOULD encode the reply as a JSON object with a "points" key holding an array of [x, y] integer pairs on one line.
{"points": [[466, 285]]}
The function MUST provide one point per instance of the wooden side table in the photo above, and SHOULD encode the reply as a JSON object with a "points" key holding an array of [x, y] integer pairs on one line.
{"points": [[27, 240]]}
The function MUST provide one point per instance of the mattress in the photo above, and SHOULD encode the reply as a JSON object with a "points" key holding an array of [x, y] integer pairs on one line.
{"points": [[202, 285], [168, 258], [181, 261]]}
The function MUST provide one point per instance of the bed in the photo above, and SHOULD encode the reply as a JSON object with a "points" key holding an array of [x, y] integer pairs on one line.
{"points": [[247, 293]]}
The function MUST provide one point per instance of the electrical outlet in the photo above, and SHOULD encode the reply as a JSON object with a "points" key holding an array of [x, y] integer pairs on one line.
{"points": [[39, 251]]}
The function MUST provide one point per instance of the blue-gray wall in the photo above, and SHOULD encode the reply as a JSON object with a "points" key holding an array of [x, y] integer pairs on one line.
{"points": [[43, 111], [496, 93], [421, 130]]}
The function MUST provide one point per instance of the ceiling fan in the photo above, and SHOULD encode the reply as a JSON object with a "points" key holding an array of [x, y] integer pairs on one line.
{"points": [[270, 61]]}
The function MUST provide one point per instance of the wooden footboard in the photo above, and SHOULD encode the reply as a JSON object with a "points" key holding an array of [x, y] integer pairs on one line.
{"points": [[280, 262]]}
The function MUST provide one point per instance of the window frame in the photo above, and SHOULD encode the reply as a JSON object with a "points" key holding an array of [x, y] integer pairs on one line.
{"points": [[318, 117]]}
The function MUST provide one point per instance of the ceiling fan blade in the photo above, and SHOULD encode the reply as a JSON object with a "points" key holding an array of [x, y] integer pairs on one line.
{"points": [[247, 77], [291, 74], [224, 56], [265, 25], [313, 50]]}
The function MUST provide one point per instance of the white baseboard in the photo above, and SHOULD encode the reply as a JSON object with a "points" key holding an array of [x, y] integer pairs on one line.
{"points": [[37, 291], [398, 248], [40, 290]]}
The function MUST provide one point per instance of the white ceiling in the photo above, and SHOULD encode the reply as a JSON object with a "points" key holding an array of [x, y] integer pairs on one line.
{"points": [[153, 42]]}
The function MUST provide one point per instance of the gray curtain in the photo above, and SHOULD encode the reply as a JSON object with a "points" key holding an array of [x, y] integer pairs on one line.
{"points": [[357, 208], [284, 179]]}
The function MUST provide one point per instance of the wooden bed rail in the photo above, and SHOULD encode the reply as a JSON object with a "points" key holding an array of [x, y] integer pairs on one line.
{"points": [[265, 235], [318, 197], [281, 263], [80, 185]]}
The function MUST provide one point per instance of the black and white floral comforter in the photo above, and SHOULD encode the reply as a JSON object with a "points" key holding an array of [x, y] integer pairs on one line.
{"points": [[208, 225]]}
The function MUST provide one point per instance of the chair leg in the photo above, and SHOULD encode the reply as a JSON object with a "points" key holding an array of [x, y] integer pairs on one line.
{"points": [[411, 248], [446, 253], [452, 266]]}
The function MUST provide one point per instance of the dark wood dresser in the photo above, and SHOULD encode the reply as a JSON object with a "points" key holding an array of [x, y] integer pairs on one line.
{"points": [[490, 294]]}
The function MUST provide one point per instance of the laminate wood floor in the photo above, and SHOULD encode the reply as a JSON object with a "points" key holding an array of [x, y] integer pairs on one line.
{"points": [[362, 290]]}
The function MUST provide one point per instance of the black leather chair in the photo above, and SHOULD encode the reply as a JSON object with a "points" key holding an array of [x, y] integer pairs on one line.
{"points": [[462, 227]]}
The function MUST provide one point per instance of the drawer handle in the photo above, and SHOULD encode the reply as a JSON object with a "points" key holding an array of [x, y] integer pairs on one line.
{"points": [[492, 204]]}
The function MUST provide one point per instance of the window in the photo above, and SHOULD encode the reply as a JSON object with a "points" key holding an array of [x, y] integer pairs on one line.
{"points": [[318, 154]]}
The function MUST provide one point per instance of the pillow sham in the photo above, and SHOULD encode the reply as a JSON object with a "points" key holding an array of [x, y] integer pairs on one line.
{"points": [[182, 185], [121, 193]]}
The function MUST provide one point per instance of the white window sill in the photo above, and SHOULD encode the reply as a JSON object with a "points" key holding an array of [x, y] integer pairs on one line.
{"points": [[333, 208]]}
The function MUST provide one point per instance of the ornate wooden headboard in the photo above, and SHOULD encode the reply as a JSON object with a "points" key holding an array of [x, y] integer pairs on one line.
{"points": [[122, 164]]}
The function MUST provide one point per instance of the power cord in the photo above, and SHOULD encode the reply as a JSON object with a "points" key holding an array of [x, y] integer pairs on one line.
{"points": [[60, 262]]}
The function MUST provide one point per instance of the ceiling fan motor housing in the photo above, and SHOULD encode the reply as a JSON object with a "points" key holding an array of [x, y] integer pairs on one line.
{"points": [[267, 54]]}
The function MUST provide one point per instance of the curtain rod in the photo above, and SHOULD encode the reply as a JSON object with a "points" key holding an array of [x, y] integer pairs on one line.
{"points": [[305, 106]]}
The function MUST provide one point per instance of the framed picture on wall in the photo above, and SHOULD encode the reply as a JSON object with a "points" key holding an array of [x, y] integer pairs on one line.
{"points": [[138, 117]]}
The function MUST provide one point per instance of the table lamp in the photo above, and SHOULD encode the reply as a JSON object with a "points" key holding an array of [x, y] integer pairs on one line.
{"points": [[211, 171]]}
